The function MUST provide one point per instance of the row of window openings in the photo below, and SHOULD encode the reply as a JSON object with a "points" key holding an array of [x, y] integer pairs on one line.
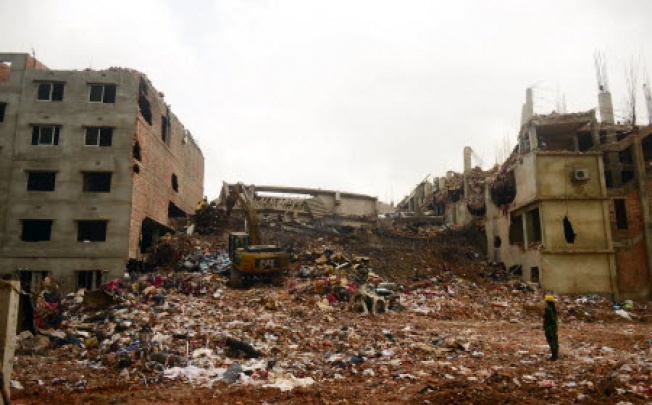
{"points": [[93, 182], [93, 136], [99, 93], [40, 230], [32, 281], [533, 225]]}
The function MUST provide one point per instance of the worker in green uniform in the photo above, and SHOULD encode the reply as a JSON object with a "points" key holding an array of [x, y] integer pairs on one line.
{"points": [[550, 326]]}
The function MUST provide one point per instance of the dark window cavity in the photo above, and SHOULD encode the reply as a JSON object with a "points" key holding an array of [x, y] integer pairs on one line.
{"points": [[36, 230], [97, 182], [620, 208], [3, 108], [136, 151], [91, 231], [569, 233], [98, 136], [89, 279], [50, 91], [32, 281], [497, 241], [40, 181], [143, 102], [533, 226], [45, 135], [175, 183], [165, 126], [535, 277], [516, 230], [103, 93]]}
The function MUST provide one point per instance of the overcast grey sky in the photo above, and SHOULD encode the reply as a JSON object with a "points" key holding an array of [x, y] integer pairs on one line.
{"points": [[360, 96]]}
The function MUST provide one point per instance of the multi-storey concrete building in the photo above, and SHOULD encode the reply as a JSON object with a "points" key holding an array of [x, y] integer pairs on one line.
{"points": [[93, 166]]}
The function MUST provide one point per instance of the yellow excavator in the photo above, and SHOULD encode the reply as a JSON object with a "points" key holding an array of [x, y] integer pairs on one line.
{"points": [[249, 258]]}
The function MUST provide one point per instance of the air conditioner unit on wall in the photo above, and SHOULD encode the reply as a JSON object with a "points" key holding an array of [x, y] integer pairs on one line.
{"points": [[581, 174]]}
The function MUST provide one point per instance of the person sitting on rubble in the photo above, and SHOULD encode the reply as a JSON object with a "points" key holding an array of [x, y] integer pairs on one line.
{"points": [[550, 326]]}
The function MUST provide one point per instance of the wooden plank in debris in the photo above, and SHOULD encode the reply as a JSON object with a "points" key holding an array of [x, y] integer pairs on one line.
{"points": [[9, 295]]}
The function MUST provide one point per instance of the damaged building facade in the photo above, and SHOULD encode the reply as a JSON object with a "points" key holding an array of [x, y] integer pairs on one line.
{"points": [[570, 208], [93, 168]]}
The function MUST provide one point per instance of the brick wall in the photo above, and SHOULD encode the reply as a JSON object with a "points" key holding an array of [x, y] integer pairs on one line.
{"points": [[34, 64], [152, 186], [631, 259], [5, 72]]}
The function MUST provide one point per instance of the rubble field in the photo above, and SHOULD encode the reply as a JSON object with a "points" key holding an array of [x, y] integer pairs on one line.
{"points": [[454, 329]]}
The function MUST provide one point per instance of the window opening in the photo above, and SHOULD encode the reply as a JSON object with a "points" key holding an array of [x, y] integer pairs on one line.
{"points": [[584, 141], [98, 136], [136, 169], [620, 208], [32, 281], [45, 135], [608, 181], [40, 181], [627, 175], [569, 234], [534, 275], [3, 107], [136, 151], [91, 231], [625, 156], [143, 102], [5, 71], [89, 279], [50, 91], [516, 230], [175, 183], [103, 93], [533, 226], [164, 128], [497, 241], [97, 182], [36, 230]]}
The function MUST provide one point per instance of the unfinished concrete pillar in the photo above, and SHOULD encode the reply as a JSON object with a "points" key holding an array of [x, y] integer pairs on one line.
{"points": [[606, 107], [9, 296], [467, 167], [528, 107], [532, 136], [648, 102]]}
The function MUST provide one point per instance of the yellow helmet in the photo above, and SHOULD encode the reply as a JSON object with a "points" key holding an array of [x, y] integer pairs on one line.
{"points": [[550, 298]]}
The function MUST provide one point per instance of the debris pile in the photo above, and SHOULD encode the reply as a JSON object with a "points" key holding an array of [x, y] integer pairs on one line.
{"points": [[340, 327]]}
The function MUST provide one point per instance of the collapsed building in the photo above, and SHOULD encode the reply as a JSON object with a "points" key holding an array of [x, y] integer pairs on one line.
{"points": [[309, 206], [570, 207], [93, 168], [454, 199]]}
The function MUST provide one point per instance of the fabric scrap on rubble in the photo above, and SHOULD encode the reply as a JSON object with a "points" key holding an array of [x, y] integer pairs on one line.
{"points": [[288, 382]]}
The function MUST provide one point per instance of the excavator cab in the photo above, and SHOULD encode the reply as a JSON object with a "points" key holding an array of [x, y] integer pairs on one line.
{"points": [[237, 240], [249, 262]]}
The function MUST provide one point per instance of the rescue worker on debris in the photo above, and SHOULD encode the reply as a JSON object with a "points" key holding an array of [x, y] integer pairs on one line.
{"points": [[202, 204], [550, 326]]}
